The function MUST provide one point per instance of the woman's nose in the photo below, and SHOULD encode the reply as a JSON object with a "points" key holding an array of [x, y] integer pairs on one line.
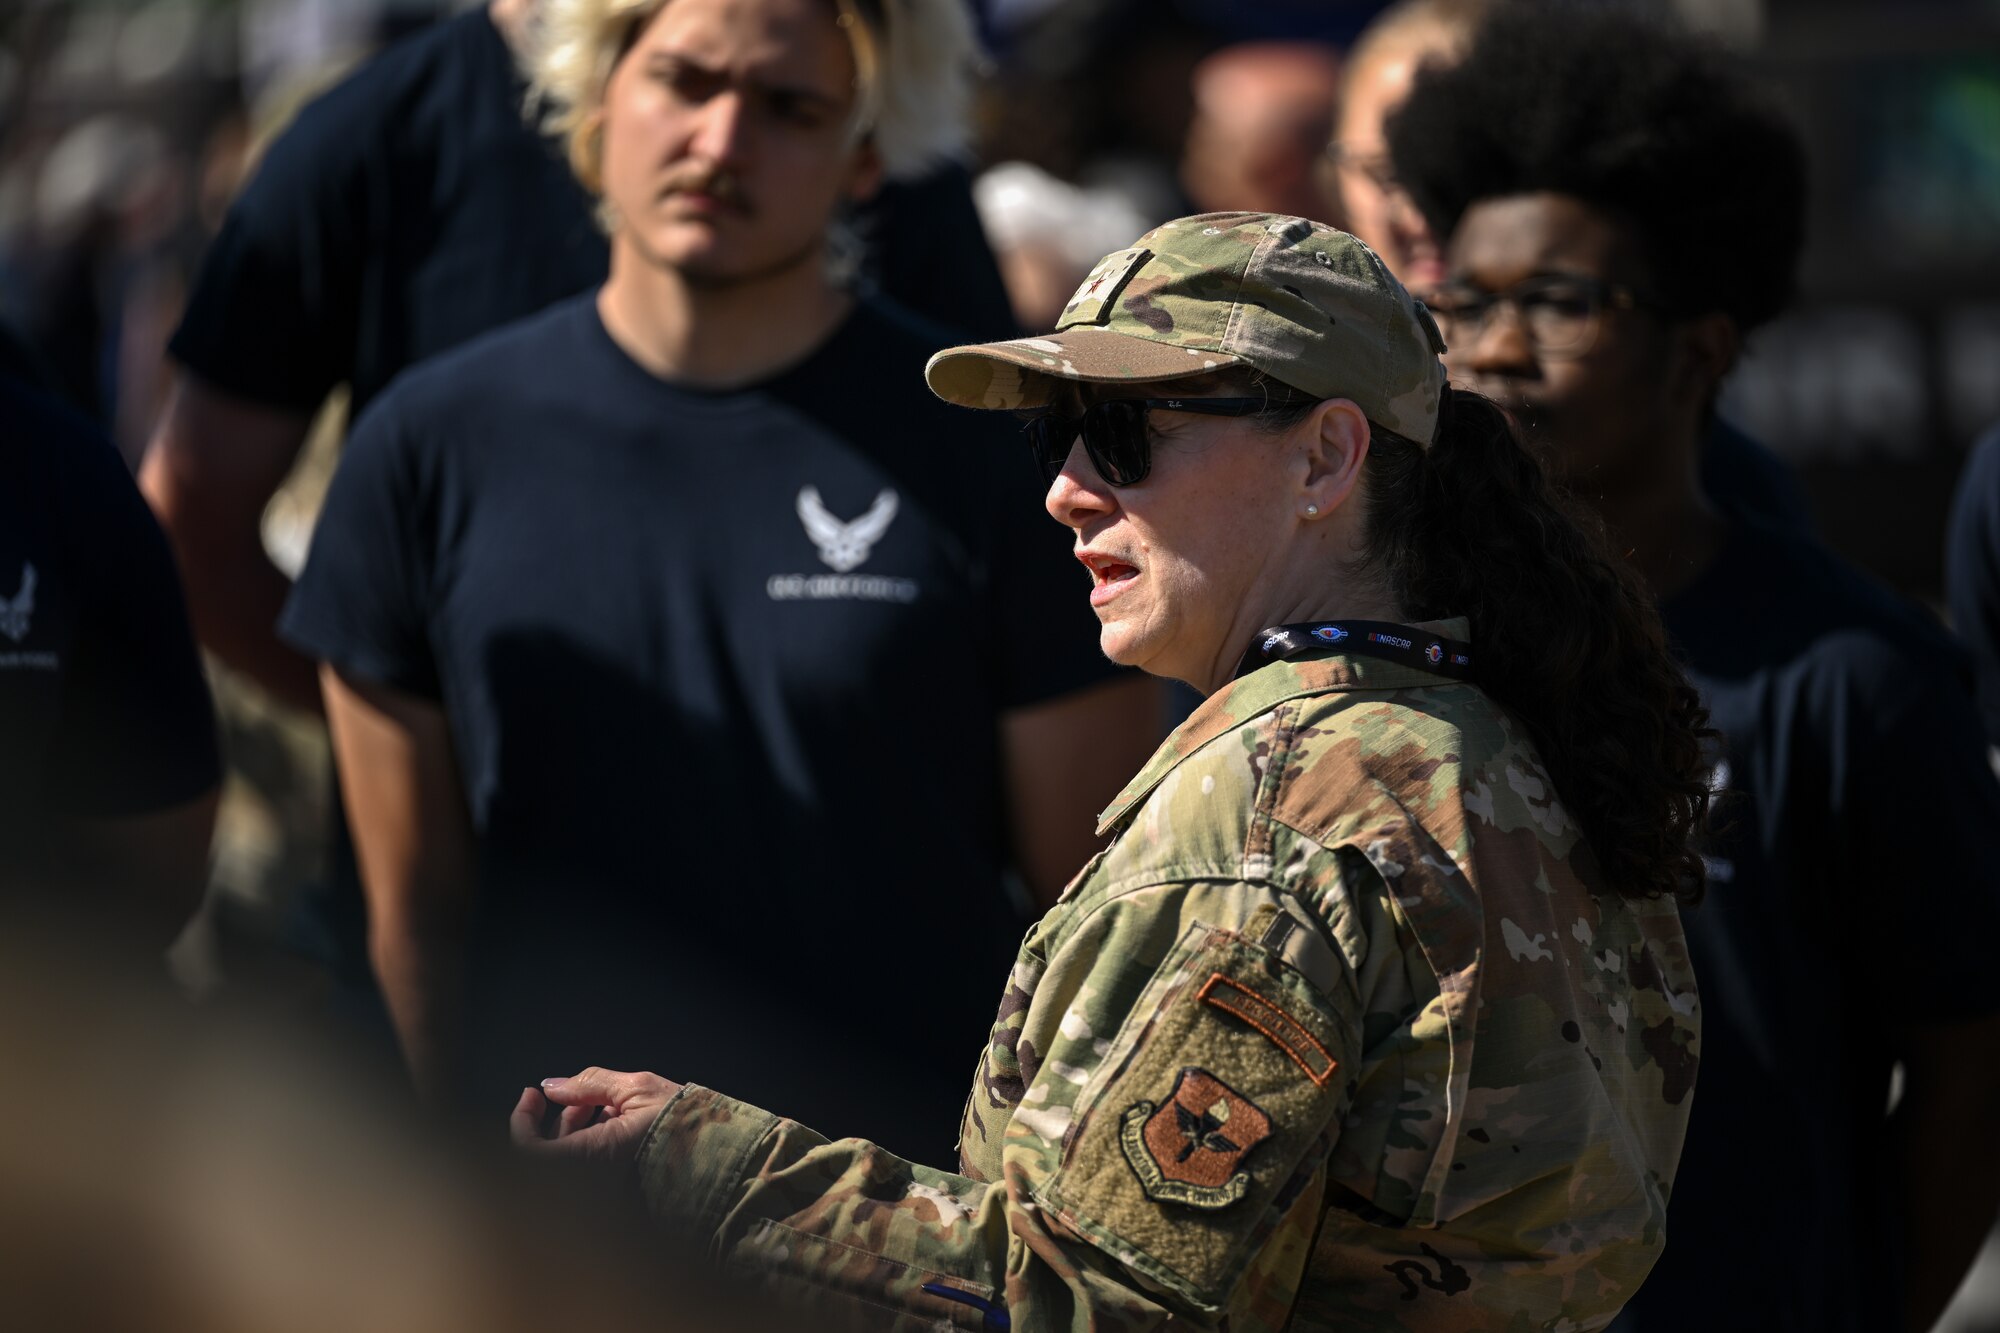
{"points": [[1078, 494]]}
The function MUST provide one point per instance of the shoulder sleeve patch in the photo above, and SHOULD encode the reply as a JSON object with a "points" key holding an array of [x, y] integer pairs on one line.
{"points": [[1217, 1104]]}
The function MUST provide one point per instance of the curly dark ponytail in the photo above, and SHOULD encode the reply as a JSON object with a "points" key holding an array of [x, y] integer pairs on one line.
{"points": [[1568, 638]]}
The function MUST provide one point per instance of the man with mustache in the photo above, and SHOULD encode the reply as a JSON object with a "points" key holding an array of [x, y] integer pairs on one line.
{"points": [[632, 612], [1622, 208], [412, 207]]}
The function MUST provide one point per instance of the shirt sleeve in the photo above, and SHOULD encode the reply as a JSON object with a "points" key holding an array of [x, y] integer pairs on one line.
{"points": [[138, 728], [1173, 1171], [273, 313], [1972, 573], [362, 603]]}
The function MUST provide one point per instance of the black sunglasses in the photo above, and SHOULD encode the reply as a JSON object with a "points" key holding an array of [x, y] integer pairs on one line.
{"points": [[1114, 433]]}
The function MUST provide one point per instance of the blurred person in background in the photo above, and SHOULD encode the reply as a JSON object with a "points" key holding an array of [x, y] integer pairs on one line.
{"points": [[1262, 113], [206, 1176], [1623, 207], [1737, 472], [1361, 179], [1046, 234], [633, 613], [408, 209], [109, 773], [412, 207]]}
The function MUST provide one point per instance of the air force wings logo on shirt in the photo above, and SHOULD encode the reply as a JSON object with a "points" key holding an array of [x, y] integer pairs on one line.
{"points": [[843, 546], [15, 611]]}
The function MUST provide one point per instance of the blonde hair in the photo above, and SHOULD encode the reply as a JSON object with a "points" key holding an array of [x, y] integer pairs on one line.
{"points": [[912, 65], [1432, 27]]}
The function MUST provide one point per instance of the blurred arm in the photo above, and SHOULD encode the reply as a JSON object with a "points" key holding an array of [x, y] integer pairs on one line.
{"points": [[213, 464], [1949, 1168], [1065, 759], [413, 839]]}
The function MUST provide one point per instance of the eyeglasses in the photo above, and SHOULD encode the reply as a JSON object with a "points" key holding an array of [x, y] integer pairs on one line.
{"points": [[1114, 433], [1559, 314], [1375, 166]]}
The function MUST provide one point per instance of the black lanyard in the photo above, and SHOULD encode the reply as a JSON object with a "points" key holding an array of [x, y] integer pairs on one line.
{"points": [[1372, 638]]}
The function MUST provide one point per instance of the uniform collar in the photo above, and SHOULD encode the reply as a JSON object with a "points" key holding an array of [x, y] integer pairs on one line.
{"points": [[1247, 697]]}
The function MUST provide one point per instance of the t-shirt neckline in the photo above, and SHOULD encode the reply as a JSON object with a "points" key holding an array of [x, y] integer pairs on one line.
{"points": [[804, 369]]}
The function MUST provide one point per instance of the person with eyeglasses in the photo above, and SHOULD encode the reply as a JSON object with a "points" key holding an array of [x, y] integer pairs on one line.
{"points": [[627, 612], [1624, 207], [1376, 1011], [1375, 79], [1739, 473]]}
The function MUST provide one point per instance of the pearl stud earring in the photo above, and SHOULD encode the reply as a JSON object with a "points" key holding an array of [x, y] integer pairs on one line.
{"points": [[1312, 511]]}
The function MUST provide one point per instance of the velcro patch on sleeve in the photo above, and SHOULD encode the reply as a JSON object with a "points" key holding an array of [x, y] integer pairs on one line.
{"points": [[1201, 1124], [1287, 1033]]}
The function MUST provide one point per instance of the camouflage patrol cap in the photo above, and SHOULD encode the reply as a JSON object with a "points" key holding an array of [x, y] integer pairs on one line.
{"points": [[1304, 303]]}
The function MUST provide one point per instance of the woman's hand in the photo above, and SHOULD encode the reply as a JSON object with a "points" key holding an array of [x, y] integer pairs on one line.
{"points": [[605, 1114]]}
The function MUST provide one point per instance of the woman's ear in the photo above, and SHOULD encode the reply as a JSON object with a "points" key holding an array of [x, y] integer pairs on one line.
{"points": [[1335, 441]]}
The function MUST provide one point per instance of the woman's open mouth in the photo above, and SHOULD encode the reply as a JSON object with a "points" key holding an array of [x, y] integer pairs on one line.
{"points": [[1109, 575]]}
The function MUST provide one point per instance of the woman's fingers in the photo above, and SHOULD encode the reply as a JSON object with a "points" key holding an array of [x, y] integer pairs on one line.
{"points": [[604, 1112], [574, 1118], [525, 1124], [598, 1087]]}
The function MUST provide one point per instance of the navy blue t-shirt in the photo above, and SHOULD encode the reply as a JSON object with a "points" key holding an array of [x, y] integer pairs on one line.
{"points": [[1749, 482], [724, 673], [406, 210], [1854, 887], [1972, 572], [414, 206], [103, 707]]}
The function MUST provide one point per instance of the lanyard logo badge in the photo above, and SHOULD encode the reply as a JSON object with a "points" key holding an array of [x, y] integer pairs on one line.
{"points": [[1393, 643]]}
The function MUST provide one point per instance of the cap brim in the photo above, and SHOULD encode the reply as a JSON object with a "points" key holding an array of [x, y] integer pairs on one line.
{"points": [[1023, 372]]}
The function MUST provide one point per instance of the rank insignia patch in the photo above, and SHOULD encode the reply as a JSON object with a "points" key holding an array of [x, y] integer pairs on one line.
{"points": [[1188, 1149], [1092, 302]]}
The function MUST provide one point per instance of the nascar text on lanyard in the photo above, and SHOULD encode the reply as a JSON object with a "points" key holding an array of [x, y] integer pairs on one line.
{"points": [[1371, 638]]}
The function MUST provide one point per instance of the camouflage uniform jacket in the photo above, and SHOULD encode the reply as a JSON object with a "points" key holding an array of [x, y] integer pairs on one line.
{"points": [[1333, 1030]]}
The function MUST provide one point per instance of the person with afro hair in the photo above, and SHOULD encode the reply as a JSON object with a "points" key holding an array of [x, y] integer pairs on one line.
{"points": [[1623, 206]]}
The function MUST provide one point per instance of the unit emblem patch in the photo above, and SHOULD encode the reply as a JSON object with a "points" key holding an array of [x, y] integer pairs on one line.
{"points": [[1189, 1150]]}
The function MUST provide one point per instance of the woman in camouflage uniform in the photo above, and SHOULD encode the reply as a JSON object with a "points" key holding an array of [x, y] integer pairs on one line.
{"points": [[1375, 1012]]}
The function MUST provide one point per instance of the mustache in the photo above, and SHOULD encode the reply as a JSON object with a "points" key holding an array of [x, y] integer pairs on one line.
{"points": [[722, 186]]}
